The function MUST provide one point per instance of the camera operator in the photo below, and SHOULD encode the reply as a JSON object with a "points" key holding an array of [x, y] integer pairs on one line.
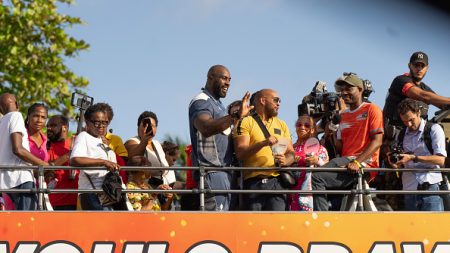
{"points": [[417, 155], [359, 138]]}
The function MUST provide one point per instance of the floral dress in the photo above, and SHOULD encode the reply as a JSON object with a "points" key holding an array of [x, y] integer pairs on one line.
{"points": [[304, 202], [139, 199]]}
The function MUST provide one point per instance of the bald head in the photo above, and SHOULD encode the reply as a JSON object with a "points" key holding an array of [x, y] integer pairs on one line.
{"points": [[214, 70], [218, 81], [267, 103], [8, 103]]}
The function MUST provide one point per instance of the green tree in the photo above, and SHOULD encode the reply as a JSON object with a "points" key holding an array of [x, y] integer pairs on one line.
{"points": [[33, 47]]}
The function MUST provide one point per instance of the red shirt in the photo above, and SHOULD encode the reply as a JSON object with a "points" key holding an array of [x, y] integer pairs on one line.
{"points": [[56, 150]]}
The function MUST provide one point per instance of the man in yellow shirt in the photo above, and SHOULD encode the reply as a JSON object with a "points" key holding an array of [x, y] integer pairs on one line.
{"points": [[254, 150]]}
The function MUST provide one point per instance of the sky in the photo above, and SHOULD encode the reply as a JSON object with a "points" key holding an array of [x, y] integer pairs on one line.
{"points": [[154, 55]]}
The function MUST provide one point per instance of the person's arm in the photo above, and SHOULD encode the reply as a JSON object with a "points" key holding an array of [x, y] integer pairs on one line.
{"points": [[209, 126], [373, 146], [244, 150], [93, 162], [60, 161], [427, 97], [22, 153], [431, 159]]}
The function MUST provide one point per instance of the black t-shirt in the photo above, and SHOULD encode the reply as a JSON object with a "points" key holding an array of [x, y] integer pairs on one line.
{"points": [[395, 96]]}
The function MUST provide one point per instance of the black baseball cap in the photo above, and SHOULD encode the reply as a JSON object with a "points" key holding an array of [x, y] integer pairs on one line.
{"points": [[419, 57]]}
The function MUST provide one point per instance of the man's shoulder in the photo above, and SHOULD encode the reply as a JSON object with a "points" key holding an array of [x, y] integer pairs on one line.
{"points": [[402, 78], [373, 107], [199, 97]]}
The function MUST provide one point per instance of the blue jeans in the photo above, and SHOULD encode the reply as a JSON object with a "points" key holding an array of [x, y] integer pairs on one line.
{"points": [[425, 202], [89, 201], [24, 201]]}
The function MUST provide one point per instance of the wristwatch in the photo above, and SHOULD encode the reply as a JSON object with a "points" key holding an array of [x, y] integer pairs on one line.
{"points": [[416, 159]]}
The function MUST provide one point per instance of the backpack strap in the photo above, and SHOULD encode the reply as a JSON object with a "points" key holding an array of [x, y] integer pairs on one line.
{"points": [[427, 137], [400, 137]]}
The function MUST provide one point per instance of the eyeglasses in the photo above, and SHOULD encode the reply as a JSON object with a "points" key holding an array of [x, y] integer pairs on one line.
{"points": [[276, 100], [300, 124], [99, 123]]}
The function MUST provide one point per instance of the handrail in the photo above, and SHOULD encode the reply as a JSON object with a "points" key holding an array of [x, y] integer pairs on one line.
{"points": [[359, 191]]}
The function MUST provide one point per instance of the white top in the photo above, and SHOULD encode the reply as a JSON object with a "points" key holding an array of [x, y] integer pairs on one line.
{"points": [[89, 146], [13, 123], [168, 175]]}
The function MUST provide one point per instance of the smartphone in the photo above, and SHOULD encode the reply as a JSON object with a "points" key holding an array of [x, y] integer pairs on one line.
{"points": [[81, 101], [147, 122]]}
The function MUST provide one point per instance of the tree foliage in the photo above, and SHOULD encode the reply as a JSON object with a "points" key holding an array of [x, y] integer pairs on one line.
{"points": [[33, 47]]}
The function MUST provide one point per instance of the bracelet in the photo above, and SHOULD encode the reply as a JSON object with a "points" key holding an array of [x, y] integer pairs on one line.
{"points": [[357, 163], [416, 159]]}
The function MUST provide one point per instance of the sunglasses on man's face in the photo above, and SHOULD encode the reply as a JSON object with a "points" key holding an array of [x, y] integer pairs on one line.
{"points": [[301, 124]]}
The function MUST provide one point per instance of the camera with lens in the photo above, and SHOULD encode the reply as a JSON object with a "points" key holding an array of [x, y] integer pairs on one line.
{"points": [[396, 153], [320, 102]]}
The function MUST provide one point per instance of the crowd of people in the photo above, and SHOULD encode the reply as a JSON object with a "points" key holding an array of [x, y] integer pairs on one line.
{"points": [[247, 133]]}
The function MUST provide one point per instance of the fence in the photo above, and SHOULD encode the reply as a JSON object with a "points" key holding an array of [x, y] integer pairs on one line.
{"points": [[359, 191]]}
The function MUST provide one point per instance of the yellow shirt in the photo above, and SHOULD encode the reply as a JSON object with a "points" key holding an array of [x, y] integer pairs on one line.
{"points": [[116, 144], [263, 158]]}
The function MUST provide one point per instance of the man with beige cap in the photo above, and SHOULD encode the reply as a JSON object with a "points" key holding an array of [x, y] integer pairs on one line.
{"points": [[358, 140]]}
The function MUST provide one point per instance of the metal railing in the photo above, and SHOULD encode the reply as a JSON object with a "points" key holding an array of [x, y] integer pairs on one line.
{"points": [[359, 190]]}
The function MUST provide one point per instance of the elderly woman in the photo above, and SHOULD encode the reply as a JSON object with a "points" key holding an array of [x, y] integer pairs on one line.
{"points": [[305, 129], [90, 151], [145, 145]]}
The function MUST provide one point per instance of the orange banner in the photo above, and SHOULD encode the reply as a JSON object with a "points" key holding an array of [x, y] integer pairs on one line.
{"points": [[196, 232]]}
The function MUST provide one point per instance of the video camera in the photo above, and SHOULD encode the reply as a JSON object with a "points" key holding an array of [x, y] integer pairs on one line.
{"points": [[320, 102]]}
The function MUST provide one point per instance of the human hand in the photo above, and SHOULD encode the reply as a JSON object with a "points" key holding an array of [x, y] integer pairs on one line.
{"points": [[143, 134], [168, 195], [353, 167], [280, 160], [270, 141], [404, 159], [111, 166], [311, 160], [245, 107]]}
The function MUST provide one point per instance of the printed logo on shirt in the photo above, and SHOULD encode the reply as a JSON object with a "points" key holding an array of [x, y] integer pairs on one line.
{"points": [[277, 131], [362, 116]]}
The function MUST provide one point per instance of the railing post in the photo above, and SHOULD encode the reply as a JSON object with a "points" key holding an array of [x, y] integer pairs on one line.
{"points": [[359, 192], [201, 187], [40, 187]]}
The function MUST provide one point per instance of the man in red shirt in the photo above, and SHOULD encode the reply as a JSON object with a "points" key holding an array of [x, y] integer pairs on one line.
{"points": [[59, 147]]}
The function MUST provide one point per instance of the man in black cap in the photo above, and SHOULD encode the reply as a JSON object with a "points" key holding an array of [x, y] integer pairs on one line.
{"points": [[410, 85]]}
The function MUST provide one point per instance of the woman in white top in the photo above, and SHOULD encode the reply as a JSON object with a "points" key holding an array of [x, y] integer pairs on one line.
{"points": [[145, 145], [90, 151]]}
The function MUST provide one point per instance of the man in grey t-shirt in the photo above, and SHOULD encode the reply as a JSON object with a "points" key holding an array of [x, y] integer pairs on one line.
{"points": [[209, 126]]}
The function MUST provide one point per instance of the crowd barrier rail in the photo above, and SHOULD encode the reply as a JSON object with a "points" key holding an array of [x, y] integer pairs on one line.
{"points": [[359, 189]]}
